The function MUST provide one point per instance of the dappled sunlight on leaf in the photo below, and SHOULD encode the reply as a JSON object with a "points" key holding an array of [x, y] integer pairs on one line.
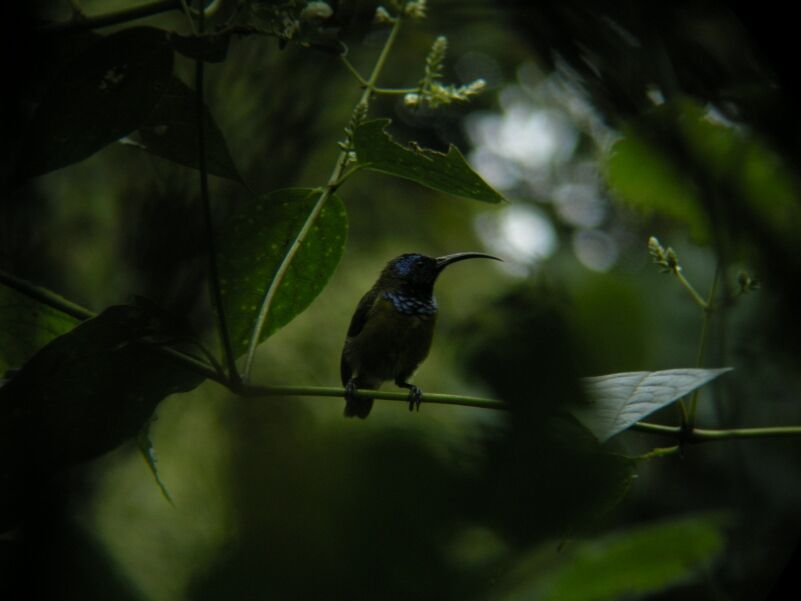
{"points": [[253, 245]]}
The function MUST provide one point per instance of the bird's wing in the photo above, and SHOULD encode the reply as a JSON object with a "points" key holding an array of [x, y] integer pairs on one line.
{"points": [[362, 311], [356, 324]]}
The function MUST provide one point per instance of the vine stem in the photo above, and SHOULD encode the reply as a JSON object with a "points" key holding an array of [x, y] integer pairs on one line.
{"points": [[689, 287], [333, 182], [707, 308], [202, 368], [214, 275], [698, 435]]}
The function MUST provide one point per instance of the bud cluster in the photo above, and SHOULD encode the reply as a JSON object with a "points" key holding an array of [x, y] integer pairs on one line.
{"points": [[746, 282], [664, 257], [432, 91], [414, 9]]}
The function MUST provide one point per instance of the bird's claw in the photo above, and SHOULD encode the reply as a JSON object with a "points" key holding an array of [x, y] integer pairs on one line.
{"points": [[415, 397], [350, 390]]}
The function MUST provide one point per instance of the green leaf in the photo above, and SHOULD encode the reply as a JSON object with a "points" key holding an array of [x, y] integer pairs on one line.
{"points": [[644, 177], [622, 565], [675, 161], [450, 173], [171, 133], [210, 47], [255, 242], [86, 392], [618, 401], [27, 325], [741, 160], [105, 93]]}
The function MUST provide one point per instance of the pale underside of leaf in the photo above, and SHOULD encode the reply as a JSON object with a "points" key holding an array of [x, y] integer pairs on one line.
{"points": [[618, 401]]}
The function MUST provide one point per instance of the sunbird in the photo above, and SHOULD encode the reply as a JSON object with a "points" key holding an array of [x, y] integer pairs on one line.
{"points": [[391, 331]]}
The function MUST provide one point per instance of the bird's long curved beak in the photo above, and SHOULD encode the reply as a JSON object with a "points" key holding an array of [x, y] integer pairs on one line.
{"points": [[443, 262]]}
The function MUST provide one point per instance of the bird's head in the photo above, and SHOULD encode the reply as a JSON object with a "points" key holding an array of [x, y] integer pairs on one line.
{"points": [[417, 273]]}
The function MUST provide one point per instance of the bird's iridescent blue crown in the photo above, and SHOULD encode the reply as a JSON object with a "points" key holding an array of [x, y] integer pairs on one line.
{"points": [[404, 264]]}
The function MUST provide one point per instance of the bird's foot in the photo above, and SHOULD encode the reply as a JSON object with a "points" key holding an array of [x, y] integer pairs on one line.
{"points": [[415, 397], [350, 390]]}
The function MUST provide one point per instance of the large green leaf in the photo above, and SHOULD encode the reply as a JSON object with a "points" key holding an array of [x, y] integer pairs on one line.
{"points": [[104, 94], [618, 401], [93, 387], [171, 133], [622, 565], [675, 161], [449, 173], [644, 177], [82, 395], [255, 242], [26, 325]]}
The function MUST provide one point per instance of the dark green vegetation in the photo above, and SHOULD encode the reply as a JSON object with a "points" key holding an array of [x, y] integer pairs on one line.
{"points": [[193, 204]]}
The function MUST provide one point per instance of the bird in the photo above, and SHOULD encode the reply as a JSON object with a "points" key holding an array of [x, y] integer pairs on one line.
{"points": [[392, 328]]}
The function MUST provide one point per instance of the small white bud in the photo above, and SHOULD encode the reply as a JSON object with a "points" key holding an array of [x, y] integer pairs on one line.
{"points": [[316, 11], [475, 87], [382, 16], [411, 100], [416, 9]]}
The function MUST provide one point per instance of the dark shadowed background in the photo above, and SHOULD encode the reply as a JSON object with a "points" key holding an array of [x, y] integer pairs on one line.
{"points": [[603, 123]]}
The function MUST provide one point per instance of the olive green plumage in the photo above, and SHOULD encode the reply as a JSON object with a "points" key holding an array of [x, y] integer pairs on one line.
{"points": [[391, 331]]}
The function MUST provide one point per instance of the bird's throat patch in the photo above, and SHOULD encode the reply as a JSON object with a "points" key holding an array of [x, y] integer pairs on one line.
{"points": [[411, 305]]}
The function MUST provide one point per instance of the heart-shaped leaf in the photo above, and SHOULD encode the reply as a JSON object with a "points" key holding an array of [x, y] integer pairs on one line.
{"points": [[254, 244], [449, 173], [618, 401]]}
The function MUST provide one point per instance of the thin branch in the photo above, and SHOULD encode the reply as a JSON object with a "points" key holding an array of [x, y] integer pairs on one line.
{"points": [[347, 175], [395, 91], [333, 182], [696, 435], [188, 15], [214, 276], [115, 18], [699, 362], [59, 303], [336, 392], [362, 81], [658, 452], [45, 296], [689, 287]]}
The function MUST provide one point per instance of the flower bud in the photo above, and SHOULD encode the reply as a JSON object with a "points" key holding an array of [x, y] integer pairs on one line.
{"points": [[316, 11]]}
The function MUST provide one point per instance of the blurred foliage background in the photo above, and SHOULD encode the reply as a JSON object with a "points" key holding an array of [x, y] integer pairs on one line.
{"points": [[604, 123]]}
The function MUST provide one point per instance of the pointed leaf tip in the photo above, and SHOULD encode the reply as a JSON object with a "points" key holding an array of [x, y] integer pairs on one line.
{"points": [[449, 173]]}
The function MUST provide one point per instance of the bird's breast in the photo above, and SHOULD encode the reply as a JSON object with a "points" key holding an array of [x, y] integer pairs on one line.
{"points": [[393, 341]]}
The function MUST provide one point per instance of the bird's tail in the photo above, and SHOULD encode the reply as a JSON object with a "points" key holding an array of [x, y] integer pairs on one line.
{"points": [[358, 407]]}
